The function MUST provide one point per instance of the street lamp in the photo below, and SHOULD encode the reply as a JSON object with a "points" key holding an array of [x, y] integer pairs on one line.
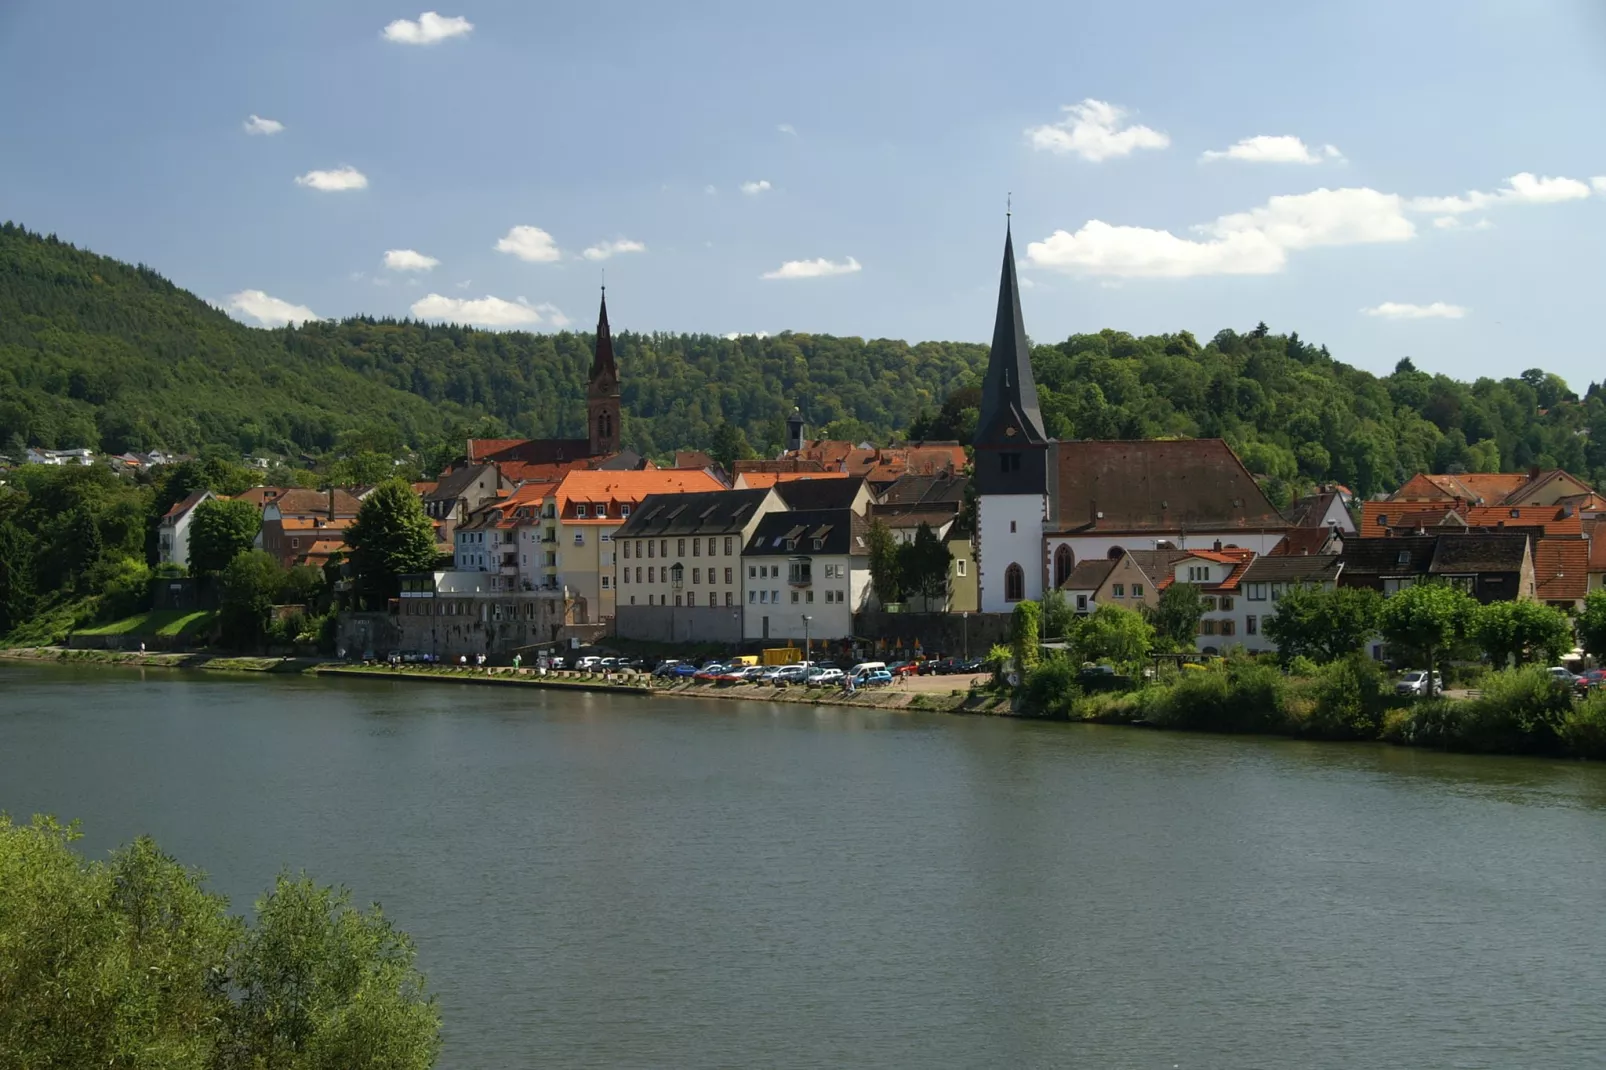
{"points": [[964, 622], [806, 620]]}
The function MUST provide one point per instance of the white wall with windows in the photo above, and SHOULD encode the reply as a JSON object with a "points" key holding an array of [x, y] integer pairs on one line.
{"points": [[779, 591]]}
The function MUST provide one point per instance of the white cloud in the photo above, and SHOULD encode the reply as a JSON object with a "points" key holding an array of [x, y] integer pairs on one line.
{"points": [[813, 269], [529, 243], [787, 128], [1599, 182], [409, 260], [488, 311], [256, 124], [1524, 188], [342, 178], [752, 189], [465, 284], [1093, 130], [710, 190], [1446, 222], [428, 30], [1394, 310], [269, 311], [1282, 148], [603, 250], [1255, 242]]}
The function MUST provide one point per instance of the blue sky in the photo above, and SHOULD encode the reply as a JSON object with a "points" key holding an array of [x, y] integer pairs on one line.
{"points": [[1462, 223]]}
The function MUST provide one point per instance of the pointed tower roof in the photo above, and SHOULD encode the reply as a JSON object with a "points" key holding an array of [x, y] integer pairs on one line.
{"points": [[602, 366], [1009, 393]]}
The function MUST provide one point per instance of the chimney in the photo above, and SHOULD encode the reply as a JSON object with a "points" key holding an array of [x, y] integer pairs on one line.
{"points": [[1218, 546], [1533, 472]]}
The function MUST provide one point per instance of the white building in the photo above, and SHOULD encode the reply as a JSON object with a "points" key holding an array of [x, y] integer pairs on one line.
{"points": [[173, 532], [1236, 614], [812, 564]]}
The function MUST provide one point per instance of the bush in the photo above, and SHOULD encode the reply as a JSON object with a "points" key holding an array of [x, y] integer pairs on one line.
{"points": [[1246, 696], [1050, 688], [1583, 729], [1350, 699], [1521, 711], [1109, 707]]}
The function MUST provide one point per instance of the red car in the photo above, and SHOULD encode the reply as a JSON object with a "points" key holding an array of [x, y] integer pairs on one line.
{"points": [[907, 668], [709, 672], [1589, 681]]}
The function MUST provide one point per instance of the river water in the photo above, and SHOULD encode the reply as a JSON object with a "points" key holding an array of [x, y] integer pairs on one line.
{"points": [[610, 881]]}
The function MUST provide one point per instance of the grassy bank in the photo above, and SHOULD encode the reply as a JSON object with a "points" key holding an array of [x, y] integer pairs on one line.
{"points": [[1516, 711], [127, 658], [162, 623]]}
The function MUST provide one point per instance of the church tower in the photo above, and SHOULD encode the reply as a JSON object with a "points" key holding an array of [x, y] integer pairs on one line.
{"points": [[602, 392], [1013, 460]]}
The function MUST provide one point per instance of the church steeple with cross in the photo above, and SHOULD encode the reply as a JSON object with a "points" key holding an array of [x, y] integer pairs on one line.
{"points": [[602, 391]]}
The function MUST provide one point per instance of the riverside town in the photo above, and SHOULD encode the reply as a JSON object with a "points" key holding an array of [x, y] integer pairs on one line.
{"points": [[704, 535]]}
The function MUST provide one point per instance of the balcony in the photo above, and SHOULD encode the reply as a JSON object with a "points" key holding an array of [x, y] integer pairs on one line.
{"points": [[800, 573]]}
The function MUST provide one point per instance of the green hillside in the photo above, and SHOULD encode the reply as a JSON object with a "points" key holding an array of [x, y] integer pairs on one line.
{"points": [[97, 353]]}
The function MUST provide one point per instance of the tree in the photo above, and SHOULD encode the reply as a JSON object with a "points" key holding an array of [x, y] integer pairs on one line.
{"points": [[1113, 633], [923, 567], [1425, 618], [220, 531], [1059, 620], [885, 575], [1591, 625], [250, 587], [391, 536], [1026, 634], [1175, 617], [1520, 631], [1323, 625], [729, 446], [133, 963]]}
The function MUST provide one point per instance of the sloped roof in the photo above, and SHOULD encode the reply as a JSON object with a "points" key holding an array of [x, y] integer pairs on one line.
{"points": [[530, 451], [1159, 486], [182, 507], [1089, 575], [757, 480], [1479, 553], [1597, 545], [625, 488], [1553, 520], [841, 531], [1307, 512], [913, 488], [837, 493], [717, 512], [451, 486], [1156, 564], [1302, 542], [300, 502], [1406, 555], [1312, 568], [898, 518], [259, 496], [1561, 569]]}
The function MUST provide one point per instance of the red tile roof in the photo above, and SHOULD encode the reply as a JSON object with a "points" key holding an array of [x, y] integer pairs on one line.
{"points": [[1170, 486], [180, 508], [1561, 569]]}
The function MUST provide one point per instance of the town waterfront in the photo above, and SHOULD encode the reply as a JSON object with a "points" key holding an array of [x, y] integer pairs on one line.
{"points": [[617, 881]]}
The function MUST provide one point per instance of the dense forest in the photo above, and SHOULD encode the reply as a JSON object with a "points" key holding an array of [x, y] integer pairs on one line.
{"points": [[97, 353]]}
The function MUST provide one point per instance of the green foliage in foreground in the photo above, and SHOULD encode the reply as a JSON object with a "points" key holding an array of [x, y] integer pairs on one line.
{"points": [[1519, 711], [131, 963], [167, 623]]}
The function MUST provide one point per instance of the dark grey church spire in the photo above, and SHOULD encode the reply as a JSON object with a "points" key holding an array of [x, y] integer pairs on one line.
{"points": [[1009, 393]]}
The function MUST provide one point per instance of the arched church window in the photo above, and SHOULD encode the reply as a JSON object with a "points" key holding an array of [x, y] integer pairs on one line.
{"points": [[1014, 584], [1064, 561]]}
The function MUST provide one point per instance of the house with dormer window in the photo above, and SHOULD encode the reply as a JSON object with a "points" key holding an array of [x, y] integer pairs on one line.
{"points": [[812, 563]]}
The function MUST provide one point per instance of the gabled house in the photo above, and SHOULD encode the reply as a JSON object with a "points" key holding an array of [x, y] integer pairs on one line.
{"points": [[1326, 509], [460, 492], [678, 572], [1490, 567], [1081, 587], [812, 564], [1260, 589], [307, 527], [173, 531], [814, 492]]}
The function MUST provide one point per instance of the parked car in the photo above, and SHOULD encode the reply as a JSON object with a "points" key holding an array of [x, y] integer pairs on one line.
{"points": [[1589, 680], [822, 677], [712, 671], [905, 668], [873, 678], [1564, 674], [589, 663], [683, 670], [789, 674], [665, 668], [1415, 682]]}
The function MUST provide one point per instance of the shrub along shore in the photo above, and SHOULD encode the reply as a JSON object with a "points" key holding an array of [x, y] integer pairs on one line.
{"points": [[1514, 711]]}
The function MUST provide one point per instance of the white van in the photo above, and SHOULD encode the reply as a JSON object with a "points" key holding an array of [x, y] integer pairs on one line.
{"points": [[864, 668]]}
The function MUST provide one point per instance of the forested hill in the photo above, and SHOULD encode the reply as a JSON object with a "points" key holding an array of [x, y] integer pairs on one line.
{"points": [[97, 353]]}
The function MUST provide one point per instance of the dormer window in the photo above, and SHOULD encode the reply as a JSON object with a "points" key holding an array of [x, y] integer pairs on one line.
{"points": [[1405, 557], [791, 544], [624, 510], [819, 544], [602, 510], [580, 510]]}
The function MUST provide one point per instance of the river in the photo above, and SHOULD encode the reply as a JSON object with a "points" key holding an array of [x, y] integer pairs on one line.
{"points": [[612, 881]]}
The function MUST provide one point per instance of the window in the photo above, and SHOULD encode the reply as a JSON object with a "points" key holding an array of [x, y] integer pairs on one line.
{"points": [[652, 574], [1208, 603], [1228, 627], [602, 509], [697, 547], [691, 598], [1064, 560], [1118, 590], [791, 544], [1014, 581], [1009, 462], [1081, 603], [607, 536], [764, 597], [650, 550], [1012, 527], [295, 544], [959, 565], [1137, 590], [1276, 591], [1226, 603], [580, 510], [604, 583], [663, 547], [627, 549], [727, 598], [680, 547], [775, 596], [1207, 627], [697, 575], [752, 596], [638, 573], [677, 600], [752, 571], [1257, 592], [1251, 625], [794, 598], [819, 544], [808, 596], [727, 546], [727, 575], [579, 538], [652, 599], [624, 510], [624, 576]]}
